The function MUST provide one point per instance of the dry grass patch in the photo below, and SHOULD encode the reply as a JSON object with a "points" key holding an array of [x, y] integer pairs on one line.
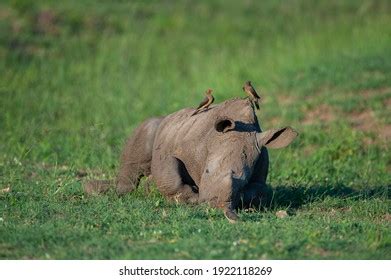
{"points": [[366, 121], [322, 113], [370, 93]]}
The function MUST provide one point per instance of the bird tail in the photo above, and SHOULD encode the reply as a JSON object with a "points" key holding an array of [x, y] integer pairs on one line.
{"points": [[256, 104]]}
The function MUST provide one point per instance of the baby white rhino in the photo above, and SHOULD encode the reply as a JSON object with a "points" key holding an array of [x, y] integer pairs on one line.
{"points": [[218, 156]]}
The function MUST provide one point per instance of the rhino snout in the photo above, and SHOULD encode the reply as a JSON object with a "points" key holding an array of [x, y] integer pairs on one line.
{"points": [[241, 176], [234, 185]]}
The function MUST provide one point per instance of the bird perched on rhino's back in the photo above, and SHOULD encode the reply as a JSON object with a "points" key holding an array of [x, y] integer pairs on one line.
{"points": [[252, 93], [208, 100]]}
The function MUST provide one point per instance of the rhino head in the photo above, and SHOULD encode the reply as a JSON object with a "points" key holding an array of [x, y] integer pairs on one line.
{"points": [[234, 158]]}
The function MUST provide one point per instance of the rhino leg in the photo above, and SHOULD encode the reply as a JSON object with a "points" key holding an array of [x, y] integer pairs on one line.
{"points": [[174, 181], [129, 176], [136, 156]]}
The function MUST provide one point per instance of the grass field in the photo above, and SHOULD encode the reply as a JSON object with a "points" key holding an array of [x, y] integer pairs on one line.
{"points": [[76, 77]]}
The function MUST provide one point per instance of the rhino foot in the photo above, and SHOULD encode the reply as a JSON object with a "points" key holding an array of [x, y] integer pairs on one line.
{"points": [[231, 216]]}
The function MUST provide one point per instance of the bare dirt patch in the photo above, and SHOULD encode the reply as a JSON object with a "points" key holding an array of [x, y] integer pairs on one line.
{"points": [[311, 250], [5, 190], [5, 12], [337, 94], [322, 113], [369, 93], [386, 132], [285, 99], [388, 103], [46, 22], [366, 121], [309, 149]]}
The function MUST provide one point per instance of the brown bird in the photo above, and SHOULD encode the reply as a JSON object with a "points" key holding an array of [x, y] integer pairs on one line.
{"points": [[206, 102], [252, 93]]}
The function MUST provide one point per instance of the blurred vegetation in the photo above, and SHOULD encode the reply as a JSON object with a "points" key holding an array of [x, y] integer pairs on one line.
{"points": [[78, 76]]}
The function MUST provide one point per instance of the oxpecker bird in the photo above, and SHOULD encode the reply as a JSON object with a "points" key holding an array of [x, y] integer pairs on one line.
{"points": [[206, 102], [252, 93]]}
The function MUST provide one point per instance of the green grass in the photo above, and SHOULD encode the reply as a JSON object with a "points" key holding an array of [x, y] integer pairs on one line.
{"points": [[77, 77]]}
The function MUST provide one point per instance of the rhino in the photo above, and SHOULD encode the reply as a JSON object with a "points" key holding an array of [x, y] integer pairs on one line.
{"points": [[218, 156]]}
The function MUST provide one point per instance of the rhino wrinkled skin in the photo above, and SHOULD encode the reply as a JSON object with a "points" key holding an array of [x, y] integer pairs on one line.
{"points": [[218, 156]]}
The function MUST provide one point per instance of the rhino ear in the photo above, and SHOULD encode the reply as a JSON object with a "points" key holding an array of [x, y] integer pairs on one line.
{"points": [[276, 138], [224, 125]]}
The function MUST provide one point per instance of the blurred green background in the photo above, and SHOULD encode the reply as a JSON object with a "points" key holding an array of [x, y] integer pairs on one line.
{"points": [[76, 77]]}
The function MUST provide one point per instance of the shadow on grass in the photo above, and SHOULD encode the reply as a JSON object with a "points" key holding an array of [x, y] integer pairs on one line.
{"points": [[295, 197]]}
